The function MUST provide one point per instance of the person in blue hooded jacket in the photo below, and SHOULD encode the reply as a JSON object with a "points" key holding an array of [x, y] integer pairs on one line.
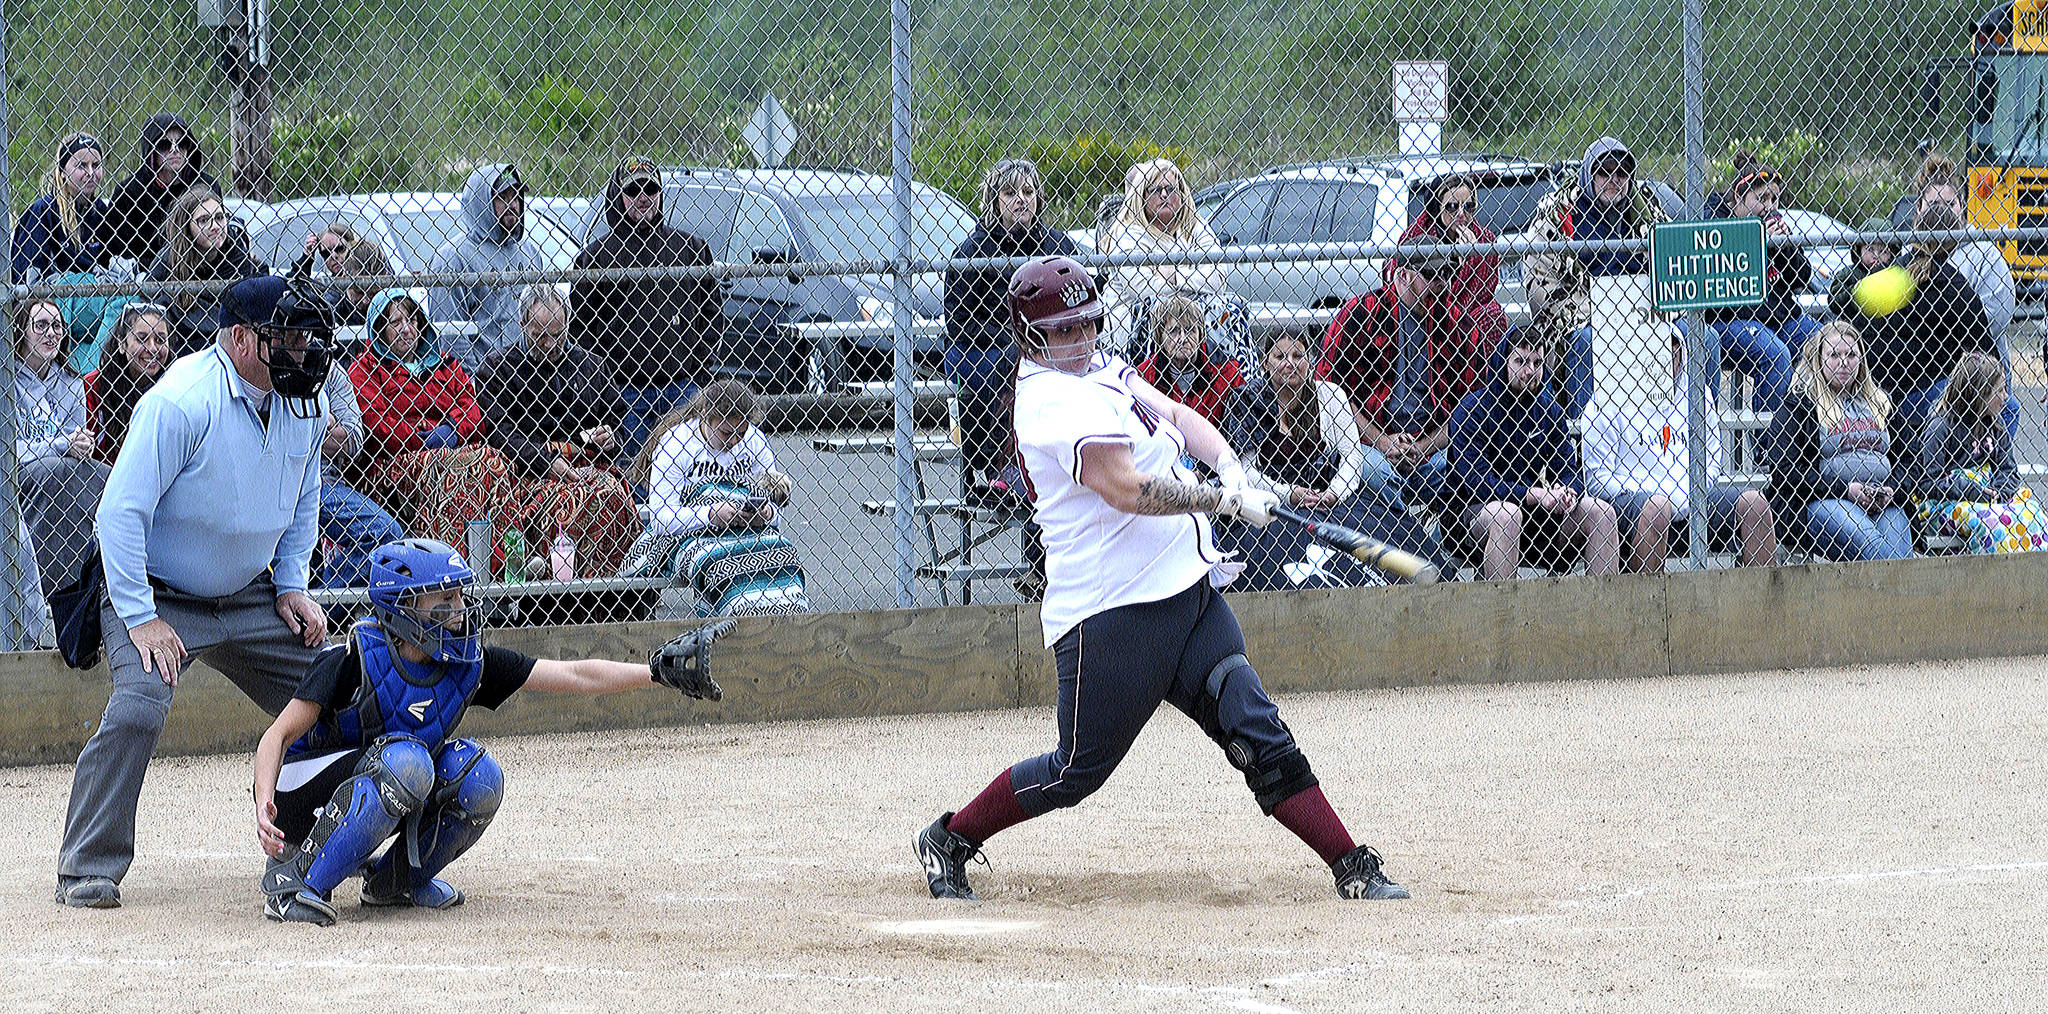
{"points": [[494, 239], [1515, 485]]}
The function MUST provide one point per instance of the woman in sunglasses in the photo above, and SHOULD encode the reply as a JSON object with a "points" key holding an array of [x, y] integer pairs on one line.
{"points": [[1761, 341], [168, 163], [136, 355], [1451, 215]]}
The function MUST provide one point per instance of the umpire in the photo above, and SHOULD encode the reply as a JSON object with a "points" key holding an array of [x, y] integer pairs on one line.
{"points": [[207, 530]]}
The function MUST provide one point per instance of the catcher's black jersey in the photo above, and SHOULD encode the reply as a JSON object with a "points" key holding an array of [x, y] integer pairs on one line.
{"points": [[335, 675]]}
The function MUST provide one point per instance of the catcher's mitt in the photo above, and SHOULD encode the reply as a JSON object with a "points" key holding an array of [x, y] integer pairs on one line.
{"points": [[685, 663]]}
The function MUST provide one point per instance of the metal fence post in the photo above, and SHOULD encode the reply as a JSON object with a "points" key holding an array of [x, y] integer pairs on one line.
{"points": [[1698, 372], [18, 630], [899, 165]]}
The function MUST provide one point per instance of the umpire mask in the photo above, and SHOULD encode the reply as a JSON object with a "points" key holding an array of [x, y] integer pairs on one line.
{"points": [[296, 345]]}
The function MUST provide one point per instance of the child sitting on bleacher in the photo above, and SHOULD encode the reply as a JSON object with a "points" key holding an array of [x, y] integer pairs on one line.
{"points": [[1968, 485], [713, 506]]}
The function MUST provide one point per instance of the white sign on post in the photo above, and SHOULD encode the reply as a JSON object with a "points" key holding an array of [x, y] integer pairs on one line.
{"points": [[1422, 91], [769, 133]]}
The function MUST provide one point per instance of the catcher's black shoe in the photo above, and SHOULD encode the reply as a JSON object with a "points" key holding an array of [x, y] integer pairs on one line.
{"points": [[944, 856], [1359, 876]]}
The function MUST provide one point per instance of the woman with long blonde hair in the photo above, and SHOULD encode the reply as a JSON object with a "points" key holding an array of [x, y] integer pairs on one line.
{"points": [[1158, 216], [63, 232], [1830, 453]]}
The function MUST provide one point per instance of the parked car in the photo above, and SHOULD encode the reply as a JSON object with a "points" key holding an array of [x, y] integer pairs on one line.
{"points": [[1827, 261], [410, 227], [800, 215], [573, 214], [1363, 200]]}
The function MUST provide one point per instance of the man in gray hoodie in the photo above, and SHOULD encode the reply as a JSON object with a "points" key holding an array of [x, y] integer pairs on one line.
{"points": [[494, 220]]}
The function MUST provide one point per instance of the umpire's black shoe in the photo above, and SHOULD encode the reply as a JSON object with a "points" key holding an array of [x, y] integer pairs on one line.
{"points": [[944, 856], [1359, 876]]}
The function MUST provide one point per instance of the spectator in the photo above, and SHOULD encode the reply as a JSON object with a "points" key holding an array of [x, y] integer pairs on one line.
{"points": [[1990, 277], [363, 258], [1967, 483], [1981, 264], [198, 247], [981, 356], [1451, 215], [427, 457], [328, 248], [352, 525], [1607, 202], [1638, 458], [1760, 341], [64, 232], [1297, 436], [1183, 365], [551, 408], [1515, 486], [136, 356], [714, 506], [60, 477], [1409, 356], [168, 163], [1865, 259], [660, 334], [1829, 454], [1158, 216], [494, 215], [1912, 349], [197, 568]]}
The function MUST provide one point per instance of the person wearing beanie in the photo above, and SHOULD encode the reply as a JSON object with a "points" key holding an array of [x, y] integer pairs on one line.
{"points": [[64, 231]]}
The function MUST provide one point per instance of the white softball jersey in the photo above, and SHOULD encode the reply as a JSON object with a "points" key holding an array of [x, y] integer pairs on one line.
{"points": [[1098, 557]]}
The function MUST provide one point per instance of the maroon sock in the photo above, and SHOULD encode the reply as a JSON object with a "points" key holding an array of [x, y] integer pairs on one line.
{"points": [[1309, 816], [995, 809]]}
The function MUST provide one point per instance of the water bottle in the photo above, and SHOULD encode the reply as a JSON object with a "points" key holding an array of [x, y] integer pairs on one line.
{"points": [[514, 544], [562, 556]]}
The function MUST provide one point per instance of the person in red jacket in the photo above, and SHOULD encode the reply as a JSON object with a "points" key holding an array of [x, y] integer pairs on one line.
{"points": [[1406, 356], [427, 458], [1182, 366], [1451, 215]]}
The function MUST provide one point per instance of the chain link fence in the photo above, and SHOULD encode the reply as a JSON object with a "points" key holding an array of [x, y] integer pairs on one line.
{"points": [[1405, 258]]}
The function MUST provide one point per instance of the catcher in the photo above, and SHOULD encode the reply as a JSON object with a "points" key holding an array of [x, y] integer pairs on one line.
{"points": [[366, 749]]}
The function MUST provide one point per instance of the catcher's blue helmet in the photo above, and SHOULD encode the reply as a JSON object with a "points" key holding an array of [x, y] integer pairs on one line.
{"points": [[409, 567]]}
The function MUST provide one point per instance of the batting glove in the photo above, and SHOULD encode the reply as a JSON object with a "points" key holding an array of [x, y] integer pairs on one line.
{"points": [[1249, 504]]}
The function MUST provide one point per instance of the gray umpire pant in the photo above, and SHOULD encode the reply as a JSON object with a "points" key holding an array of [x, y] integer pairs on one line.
{"points": [[242, 636]]}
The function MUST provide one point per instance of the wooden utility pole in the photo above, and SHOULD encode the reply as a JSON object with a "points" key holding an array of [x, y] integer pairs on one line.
{"points": [[247, 62]]}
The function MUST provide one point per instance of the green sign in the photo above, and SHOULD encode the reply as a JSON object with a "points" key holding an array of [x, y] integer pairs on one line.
{"points": [[1707, 265]]}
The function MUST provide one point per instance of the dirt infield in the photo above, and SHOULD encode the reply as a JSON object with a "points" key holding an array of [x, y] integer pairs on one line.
{"points": [[1841, 839]]}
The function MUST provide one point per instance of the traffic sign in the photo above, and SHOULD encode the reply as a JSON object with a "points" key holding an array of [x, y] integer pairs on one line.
{"points": [[769, 133], [1707, 265]]}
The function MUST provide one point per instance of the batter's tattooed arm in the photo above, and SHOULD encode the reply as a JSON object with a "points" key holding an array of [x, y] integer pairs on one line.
{"points": [[1158, 495]]}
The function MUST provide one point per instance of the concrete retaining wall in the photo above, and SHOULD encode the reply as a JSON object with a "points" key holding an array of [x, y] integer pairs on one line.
{"points": [[978, 657]]}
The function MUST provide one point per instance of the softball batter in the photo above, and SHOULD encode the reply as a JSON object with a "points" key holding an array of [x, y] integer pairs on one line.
{"points": [[1131, 610]]}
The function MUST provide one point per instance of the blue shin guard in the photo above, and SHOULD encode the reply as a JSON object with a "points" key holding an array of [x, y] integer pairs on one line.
{"points": [[469, 785], [390, 782]]}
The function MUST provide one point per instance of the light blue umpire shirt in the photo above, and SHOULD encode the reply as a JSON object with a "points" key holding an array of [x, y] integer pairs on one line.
{"points": [[203, 497]]}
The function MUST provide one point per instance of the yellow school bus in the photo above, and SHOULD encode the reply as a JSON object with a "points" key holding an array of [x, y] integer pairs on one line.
{"points": [[2008, 131]]}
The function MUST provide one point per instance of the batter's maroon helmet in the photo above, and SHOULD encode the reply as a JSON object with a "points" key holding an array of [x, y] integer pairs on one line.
{"points": [[1051, 292]]}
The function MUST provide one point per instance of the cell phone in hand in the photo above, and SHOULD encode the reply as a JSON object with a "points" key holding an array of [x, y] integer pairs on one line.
{"points": [[754, 504]]}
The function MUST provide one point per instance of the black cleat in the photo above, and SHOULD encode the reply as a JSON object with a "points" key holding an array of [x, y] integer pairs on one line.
{"points": [[944, 856], [305, 905], [1359, 876]]}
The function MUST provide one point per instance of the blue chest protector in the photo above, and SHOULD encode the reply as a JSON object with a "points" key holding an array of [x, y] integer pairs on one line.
{"points": [[393, 699]]}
